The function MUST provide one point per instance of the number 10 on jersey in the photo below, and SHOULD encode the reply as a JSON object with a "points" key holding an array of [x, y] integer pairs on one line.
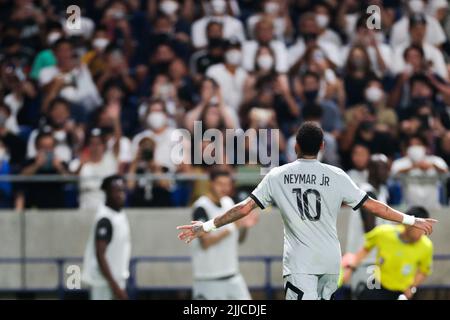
{"points": [[303, 203]]}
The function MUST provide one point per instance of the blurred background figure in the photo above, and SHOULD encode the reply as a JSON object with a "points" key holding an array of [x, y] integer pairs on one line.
{"points": [[215, 256]]}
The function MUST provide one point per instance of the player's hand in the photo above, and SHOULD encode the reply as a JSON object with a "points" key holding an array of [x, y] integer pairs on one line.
{"points": [[425, 224], [190, 232]]}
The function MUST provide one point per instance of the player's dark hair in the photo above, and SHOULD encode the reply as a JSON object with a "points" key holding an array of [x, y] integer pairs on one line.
{"points": [[418, 212], [216, 173], [309, 138], [108, 181]]}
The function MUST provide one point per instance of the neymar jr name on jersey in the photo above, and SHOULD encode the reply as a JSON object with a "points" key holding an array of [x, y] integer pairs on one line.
{"points": [[306, 178]]}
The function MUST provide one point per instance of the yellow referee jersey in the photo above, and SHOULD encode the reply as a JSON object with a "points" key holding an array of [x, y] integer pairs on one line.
{"points": [[398, 261]]}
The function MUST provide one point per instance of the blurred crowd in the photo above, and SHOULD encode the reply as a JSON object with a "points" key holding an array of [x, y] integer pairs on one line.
{"points": [[107, 97]]}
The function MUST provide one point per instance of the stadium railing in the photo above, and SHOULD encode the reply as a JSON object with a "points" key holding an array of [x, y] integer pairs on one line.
{"points": [[134, 289]]}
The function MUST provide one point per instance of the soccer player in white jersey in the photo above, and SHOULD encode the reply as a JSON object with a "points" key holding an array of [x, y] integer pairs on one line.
{"points": [[215, 255], [309, 195], [107, 256]]}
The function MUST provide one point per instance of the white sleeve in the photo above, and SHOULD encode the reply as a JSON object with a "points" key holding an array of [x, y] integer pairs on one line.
{"points": [[440, 163], [351, 194], [262, 194], [435, 35], [199, 34], [282, 57]]}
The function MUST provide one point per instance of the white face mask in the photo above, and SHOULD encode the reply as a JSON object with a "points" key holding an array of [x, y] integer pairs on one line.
{"points": [[271, 8], [233, 57], [168, 7], [100, 43], [218, 6], [416, 6], [265, 62], [156, 120], [322, 20], [52, 37], [416, 153], [374, 94]]}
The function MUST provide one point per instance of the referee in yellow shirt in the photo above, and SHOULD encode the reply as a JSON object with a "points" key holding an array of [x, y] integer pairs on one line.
{"points": [[404, 259]]}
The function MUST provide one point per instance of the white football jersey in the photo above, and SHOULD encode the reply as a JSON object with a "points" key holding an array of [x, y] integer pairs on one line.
{"points": [[221, 259], [309, 195]]}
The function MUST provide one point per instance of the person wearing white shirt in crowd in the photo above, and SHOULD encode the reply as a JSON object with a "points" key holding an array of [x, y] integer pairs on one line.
{"points": [[435, 35], [360, 161], [380, 53], [232, 27], [309, 37], [264, 36], [417, 30], [420, 173], [97, 162], [159, 130], [68, 79], [278, 13], [323, 13], [230, 75]]}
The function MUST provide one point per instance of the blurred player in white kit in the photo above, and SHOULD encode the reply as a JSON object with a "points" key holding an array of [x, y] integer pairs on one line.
{"points": [[215, 255]]}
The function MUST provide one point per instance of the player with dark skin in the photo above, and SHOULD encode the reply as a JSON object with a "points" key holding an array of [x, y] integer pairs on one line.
{"points": [[115, 199]]}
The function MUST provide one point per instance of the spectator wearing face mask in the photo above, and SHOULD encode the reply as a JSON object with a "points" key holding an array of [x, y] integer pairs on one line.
{"points": [[323, 16], [232, 27], [164, 31], [308, 89], [201, 60], [96, 56], [42, 194], [315, 61], [380, 53], [308, 39], [276, 11], [230, 75], [358, 71], [158, 129], [434, 34], [433, 56], [145, 192], [65, 131], [116, 70], [419, 172], [264, 70], [264, 36], [211, 96], [376, 101]]}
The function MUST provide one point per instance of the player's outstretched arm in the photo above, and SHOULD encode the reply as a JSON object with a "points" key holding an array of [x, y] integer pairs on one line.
{"points": [[197, 228], [382, 210]]}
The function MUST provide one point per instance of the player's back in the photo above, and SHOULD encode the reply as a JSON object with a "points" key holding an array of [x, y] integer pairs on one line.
{"points": [[309, 195]]}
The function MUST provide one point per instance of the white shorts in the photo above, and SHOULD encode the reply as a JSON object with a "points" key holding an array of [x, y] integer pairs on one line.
{"points": [[100, 293], [301, 286], [233, 288]]}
